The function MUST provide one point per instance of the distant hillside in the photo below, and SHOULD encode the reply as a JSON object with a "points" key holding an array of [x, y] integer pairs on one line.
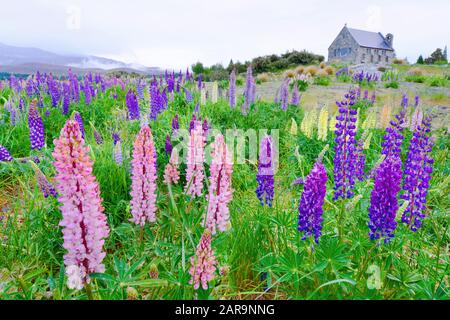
{"points": [[29, 60]]}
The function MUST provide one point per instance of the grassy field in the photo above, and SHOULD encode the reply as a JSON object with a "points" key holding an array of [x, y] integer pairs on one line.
{"points": [[262, 255]]}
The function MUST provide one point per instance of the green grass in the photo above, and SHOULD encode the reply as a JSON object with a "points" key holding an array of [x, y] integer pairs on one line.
{"points": [[261, 241]]}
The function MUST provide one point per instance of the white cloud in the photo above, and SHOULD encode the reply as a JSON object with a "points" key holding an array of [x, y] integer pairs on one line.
{"points": [[177, 33], [374, 19]]}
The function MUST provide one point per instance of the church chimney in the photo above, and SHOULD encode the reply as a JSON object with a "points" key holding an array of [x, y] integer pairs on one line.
{"points": [[390, 39]]}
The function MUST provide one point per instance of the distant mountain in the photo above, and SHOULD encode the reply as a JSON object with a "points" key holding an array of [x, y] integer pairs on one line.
{"points": [[29, 60]]}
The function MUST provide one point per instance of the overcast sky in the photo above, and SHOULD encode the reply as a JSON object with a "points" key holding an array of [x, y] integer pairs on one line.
{"points": [[177, 33]]}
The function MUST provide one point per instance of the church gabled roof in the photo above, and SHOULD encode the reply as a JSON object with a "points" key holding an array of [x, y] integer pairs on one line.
{"points": [[369, 39]]}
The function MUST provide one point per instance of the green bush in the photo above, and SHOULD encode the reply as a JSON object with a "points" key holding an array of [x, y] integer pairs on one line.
{"points": [[322, 81], [391, 84], [344, 78], [437, 81], [415, 78]]}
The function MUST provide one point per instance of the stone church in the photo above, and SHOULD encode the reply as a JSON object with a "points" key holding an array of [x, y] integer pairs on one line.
{"points": [[360, 46]]}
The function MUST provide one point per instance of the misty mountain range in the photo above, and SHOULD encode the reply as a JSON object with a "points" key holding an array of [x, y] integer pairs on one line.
{"points": [[29, 60]]}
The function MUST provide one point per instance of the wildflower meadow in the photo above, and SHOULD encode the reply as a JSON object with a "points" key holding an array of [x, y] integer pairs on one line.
{"points": [[172, 187]]}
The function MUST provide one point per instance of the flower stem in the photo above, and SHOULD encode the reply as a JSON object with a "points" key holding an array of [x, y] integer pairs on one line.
{"points": [[341, 219], [88, 289]]}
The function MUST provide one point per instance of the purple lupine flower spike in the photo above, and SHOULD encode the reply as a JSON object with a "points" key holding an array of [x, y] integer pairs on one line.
{"points": [[116, 137], [199, 84], [393, 139], [45, 186], [5, 155], [404, 102], [232, 90], [265, 176], [249, 91], [345, 144], [284, 94], [205, 127], [36, 126], [66, 98], [383, 200], [175, 124], [97, 136], [417, 172], [188, 95], [168, 146], [311, 203], [133, 105], [192, 123], [77, 117], [295, 100]]}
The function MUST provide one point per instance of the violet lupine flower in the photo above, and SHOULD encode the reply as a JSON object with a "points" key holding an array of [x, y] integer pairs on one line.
{"points": [[197, 108], [192, 122], [199, 83], [45, 186], [168, 146], [232, 90], [140, 87], [366, 94], [203, 263], [418, 169], [404, 102], [77, 117], [97, 136], [74, 87], [164, 99], [249, 91], [393, 139], [170, 80], [13, 116], [66, 98], [87, 92], [311, 202], [205, 127], [133, 105], [5, 155], [383, 200], [29, 88], [21, 104], [143, 185], [295, 100], [157, 101], [175, 125], [220, 193], [36, 126], [188, 95], [116, 137], [284, 94], [117, 153], [195, 159], [84, 223], [53, 90], [416, 101], [373, 97], [265, 176], [14, 84], [345, 155], [188, 75]]}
